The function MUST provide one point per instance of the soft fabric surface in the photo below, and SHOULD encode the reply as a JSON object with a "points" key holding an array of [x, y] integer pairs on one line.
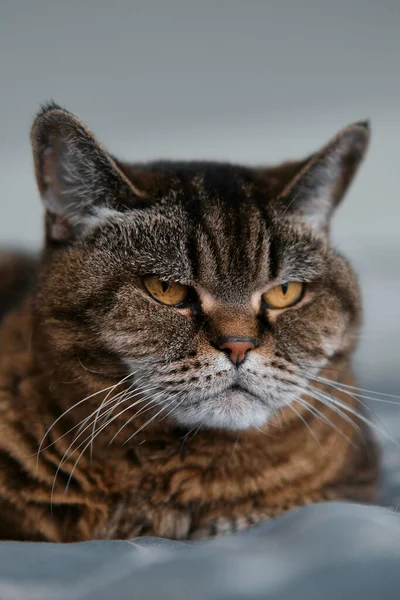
{"points": [[322, 551], [333, 550]]}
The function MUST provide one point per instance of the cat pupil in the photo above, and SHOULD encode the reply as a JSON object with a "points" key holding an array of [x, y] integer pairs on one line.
{"points": [[284, 288], [164, 286]]}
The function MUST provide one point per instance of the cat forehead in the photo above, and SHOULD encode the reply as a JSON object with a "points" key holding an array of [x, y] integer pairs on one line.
{"points": [[230, 251], [201, 179]]}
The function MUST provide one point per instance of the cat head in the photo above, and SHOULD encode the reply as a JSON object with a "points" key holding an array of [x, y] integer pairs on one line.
{"points": [[212, 286]]}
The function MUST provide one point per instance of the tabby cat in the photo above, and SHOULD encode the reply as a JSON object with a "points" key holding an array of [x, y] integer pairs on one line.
{"points": [[178, 361]]}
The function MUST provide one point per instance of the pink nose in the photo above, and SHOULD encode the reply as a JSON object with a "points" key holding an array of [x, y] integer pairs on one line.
{"points": [[237, 348]]}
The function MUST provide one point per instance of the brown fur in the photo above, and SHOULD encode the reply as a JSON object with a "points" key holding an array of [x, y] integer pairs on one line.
{"points": [[17, 275], [87, 315]]}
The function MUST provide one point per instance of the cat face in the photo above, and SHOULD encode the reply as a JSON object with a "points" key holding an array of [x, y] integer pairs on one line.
{"points": [[213, 285]]}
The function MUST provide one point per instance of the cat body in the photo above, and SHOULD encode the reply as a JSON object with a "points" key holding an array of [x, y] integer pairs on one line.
{"points": [[178, 366]]}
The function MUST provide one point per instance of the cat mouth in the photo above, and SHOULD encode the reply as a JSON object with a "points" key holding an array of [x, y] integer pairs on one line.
{"points": [[236, 387], [233, 389]]}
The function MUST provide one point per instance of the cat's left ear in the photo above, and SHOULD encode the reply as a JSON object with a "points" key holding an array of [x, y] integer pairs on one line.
{"points": [[315, 191], [77, 179]]}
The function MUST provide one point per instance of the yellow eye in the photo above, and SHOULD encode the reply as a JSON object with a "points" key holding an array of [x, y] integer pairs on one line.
{"points": [[166, 292], [285, 295]]}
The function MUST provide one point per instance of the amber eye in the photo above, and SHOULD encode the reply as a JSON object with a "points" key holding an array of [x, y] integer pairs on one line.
{"points": [[285, 295], [166, 292]]}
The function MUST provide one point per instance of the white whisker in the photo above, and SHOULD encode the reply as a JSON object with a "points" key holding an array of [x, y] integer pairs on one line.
{"points": [[305, 423], [340, 407], [65, 457], [65, 413], [358, 398], [99, 410], [149, 421], [321, 416], [99, 431]]}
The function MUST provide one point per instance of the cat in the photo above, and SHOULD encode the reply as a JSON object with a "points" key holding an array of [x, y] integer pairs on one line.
{"points": [[175, 363]]}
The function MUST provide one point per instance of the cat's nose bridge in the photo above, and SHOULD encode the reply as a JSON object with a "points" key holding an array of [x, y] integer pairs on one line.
{"points": [[233, 325]]}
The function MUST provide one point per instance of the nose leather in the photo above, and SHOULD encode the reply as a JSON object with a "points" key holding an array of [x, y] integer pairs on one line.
{"points": [[236, 348]]}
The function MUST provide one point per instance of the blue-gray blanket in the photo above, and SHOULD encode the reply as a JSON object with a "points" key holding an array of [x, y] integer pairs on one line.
{"points": [[314, 553]]}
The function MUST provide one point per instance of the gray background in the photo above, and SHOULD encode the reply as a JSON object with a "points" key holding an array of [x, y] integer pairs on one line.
{"points": [[250, 81]]}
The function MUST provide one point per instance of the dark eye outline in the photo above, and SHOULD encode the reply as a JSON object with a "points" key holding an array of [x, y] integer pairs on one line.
{"points": [[298, 299], [189, 299]]}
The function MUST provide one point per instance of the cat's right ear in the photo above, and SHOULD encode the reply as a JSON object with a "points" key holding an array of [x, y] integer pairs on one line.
{"points": [[77, 179]]}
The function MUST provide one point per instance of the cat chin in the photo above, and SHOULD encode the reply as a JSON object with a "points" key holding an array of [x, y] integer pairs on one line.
{"points": [[234, 410]]}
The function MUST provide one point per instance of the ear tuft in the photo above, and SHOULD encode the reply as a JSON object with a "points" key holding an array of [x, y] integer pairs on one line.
{"points": [[75, 175], [365, 124], [315, 191], [47, 107]]}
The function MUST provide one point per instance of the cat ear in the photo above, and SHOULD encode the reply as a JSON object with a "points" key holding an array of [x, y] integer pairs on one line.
{"points": [[313, 193], [77, 179]]}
